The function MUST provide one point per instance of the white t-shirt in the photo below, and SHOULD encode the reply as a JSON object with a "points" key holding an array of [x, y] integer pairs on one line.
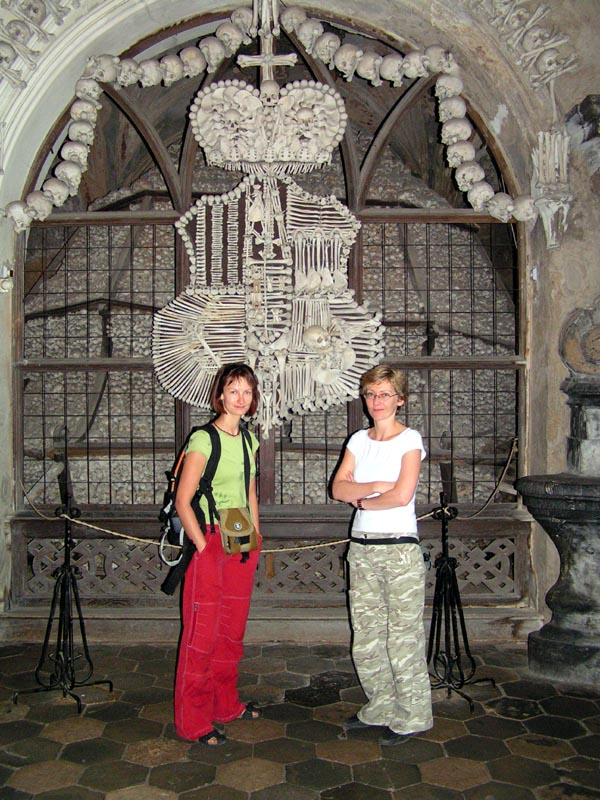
{"points": [[381, 461]]}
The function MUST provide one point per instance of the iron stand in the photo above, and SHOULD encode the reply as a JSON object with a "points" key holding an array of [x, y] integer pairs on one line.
{"points": [[448, 654], [67, 661]]}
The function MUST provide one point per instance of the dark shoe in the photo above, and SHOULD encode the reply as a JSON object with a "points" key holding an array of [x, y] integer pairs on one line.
{"points": [[213, 739], [390, 738], [355, 724], [250, 712]]}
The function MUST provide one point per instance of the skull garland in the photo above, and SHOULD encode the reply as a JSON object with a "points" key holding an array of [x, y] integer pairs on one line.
{"points": [[539, 54]]}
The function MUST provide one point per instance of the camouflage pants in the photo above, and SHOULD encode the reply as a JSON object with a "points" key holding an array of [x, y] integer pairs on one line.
{"points": [[387, 595]]}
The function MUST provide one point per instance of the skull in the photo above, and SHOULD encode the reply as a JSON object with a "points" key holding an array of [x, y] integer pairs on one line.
{"points": [[20, 215], [81, 132], [501, 206], [151, 72], [414, 65], [525, 209], [39, 204], [242, 19], [368, 67], [56, 190], [325, 46], [535, 38], [459, 152], [75, 151], [456, 130], [83, 110], [452, 108], [34, 10], [316, 338], [346, 59], [448, 86], [7, 54], [88, 89], [269, 93], [467, 174], [479, 194], [291, 18], [104, 68], [548, 61], [193, 61], [308, 33], [70, 173], [18, 31], [451, 67], [392, 68], [171, 67], [129, 72], [231, 36], [436, 58], [232, 120], [214, 52]]}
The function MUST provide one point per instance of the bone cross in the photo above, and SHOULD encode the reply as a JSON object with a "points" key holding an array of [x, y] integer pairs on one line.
{"points": [[267, 59]]}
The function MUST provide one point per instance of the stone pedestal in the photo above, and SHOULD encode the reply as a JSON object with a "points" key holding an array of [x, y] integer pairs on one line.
{"points": [[567, 506]]}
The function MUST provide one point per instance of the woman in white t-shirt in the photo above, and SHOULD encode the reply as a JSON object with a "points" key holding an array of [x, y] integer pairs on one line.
{"points": [[378, 475]]}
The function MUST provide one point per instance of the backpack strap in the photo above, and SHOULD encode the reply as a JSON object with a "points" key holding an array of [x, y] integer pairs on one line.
{"points": [[205, 484], [246, 446]]}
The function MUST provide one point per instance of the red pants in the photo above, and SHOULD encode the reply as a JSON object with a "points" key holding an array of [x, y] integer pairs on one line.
{"points": [[216, 601]]}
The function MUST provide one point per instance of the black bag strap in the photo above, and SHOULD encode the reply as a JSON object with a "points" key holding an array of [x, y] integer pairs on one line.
{"points": [[246, 446]]}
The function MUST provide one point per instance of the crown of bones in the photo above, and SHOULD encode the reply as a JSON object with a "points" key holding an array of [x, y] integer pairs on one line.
{"points": [[290, 129]]}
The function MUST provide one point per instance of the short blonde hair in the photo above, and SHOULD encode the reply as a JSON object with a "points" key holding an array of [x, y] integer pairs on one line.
{"points": [[384, 372]]}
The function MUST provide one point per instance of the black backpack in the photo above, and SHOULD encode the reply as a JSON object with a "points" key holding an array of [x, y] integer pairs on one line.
{"points": [[172, 532]]}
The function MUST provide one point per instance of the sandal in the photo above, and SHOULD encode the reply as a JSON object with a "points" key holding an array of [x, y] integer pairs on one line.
{"points": [[213, 738], [250, 712]]}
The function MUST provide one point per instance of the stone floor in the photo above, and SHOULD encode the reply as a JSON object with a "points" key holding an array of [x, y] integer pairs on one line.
{"points": [[524, 738]]}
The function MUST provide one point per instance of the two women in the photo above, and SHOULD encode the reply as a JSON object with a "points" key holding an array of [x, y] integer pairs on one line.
{"points": [[378, 475], [217, 586]]}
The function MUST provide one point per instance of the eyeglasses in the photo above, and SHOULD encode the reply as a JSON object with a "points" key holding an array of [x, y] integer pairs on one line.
{"points": [[385, 396]]}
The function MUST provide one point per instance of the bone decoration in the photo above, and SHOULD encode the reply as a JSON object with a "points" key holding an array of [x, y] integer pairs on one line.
{"points": [[280, 284], [550, 183], [248, 130]]}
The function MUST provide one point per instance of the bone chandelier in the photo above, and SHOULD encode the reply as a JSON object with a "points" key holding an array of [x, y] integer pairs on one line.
{"points": [[269, 261]]}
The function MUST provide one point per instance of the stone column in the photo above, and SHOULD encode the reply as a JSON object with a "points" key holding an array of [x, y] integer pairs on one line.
{"points": [[567, 506]]}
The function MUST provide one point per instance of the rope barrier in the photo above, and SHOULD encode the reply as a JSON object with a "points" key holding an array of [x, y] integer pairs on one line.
{"points": [[275, 550]]}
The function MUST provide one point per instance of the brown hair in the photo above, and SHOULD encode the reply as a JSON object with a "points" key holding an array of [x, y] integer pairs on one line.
{"points": [[384, 372], [226, 375]]}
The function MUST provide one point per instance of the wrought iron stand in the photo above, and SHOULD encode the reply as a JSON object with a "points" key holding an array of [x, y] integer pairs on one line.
{"points": [[71, 667], [451, 664]]}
